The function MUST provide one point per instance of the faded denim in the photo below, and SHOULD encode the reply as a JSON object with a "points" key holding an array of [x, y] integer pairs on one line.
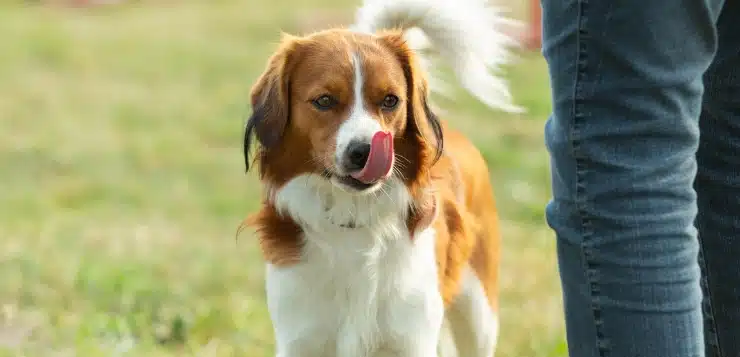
{"points": [[644, 141]]}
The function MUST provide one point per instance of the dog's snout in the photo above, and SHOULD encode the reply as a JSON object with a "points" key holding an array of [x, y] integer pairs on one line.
{"points": [[356, 155]]}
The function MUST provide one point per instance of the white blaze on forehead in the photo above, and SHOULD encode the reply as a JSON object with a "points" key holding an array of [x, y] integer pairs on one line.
{"points": [[360, 125]]}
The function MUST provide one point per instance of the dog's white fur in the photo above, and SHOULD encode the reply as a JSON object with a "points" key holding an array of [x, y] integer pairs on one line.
{"points": [[373, 290]]}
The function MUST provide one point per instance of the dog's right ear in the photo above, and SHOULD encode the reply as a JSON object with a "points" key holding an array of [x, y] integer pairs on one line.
{"points": [[271, 99]]}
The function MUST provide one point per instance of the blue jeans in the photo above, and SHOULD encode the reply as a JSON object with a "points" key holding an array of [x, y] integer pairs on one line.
{"points": [[644, 141]]}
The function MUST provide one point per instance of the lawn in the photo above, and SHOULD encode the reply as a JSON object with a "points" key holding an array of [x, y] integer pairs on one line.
{"points": [[123, 183]]}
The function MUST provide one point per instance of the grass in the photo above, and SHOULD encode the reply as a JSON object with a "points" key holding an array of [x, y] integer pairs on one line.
{"points": [[123, 183]]}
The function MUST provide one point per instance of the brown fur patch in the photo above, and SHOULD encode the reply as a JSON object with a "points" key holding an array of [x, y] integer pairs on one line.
{"points": [[279, 236], [480, 213]]}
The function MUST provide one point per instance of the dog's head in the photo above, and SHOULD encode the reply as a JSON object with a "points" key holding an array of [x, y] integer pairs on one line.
{"points": [[348, 107]]}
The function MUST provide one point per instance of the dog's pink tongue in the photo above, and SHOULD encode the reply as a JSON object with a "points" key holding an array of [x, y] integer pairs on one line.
{"points": [[380, 159]]}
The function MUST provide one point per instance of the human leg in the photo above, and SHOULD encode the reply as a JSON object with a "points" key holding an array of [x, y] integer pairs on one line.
{"points": [[718, 190], [627, 89]]}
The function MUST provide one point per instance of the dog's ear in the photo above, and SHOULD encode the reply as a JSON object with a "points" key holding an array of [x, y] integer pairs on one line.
{"points": [[421, 120], [270, 98]]}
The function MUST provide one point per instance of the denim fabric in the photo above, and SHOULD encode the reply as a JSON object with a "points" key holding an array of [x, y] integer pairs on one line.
{"points": [[630, 81], [718, 188]]}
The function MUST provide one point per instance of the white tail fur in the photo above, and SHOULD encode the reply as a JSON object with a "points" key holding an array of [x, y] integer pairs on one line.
{"points": [[464, 33]]}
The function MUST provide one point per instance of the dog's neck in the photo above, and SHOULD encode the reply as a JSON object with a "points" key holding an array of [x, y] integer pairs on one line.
{"points": [[317, 205]]}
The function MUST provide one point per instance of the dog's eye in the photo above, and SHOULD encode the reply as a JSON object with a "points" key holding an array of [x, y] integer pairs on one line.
{"points": [[389, 102], [324, 102]]}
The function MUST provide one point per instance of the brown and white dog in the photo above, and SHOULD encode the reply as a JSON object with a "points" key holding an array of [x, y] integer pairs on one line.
{"points": [[378, 223]]}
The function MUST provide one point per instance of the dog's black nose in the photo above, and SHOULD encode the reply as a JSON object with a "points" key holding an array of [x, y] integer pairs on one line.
{"points": [[356, 155]]}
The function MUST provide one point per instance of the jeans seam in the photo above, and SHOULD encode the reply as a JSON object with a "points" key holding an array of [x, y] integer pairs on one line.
{"points": [[591, 274], [707, 305]]}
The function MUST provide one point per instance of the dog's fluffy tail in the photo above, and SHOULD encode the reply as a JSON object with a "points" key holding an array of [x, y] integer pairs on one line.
{"points": [[467, 34]]}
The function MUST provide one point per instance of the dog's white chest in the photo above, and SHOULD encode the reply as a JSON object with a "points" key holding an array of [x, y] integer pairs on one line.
{"points": [[357, 295]]}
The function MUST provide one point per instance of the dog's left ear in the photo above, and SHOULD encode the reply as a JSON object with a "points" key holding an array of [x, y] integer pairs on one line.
{"points": [[421, 119], [271, 99]]}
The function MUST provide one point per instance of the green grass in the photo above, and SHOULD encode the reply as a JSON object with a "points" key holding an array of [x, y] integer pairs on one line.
{"points": [[123, 184]]}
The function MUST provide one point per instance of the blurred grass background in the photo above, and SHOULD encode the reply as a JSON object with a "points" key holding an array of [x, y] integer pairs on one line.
{"points": [[123, 184]]}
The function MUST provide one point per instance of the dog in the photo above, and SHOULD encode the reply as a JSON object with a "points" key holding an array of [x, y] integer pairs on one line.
{"points": [[378, 223]]}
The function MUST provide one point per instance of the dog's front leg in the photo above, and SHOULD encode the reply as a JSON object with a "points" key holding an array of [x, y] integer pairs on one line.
{"points": [[424, 346], [417, 325], [301, 327]]}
